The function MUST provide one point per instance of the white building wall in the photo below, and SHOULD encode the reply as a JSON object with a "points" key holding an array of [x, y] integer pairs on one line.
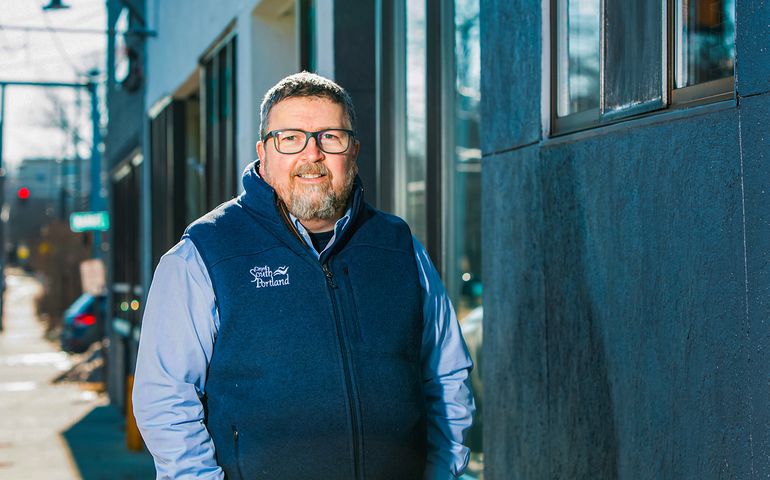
{"points": [[188, 29], [271, 55], [324, 38]]}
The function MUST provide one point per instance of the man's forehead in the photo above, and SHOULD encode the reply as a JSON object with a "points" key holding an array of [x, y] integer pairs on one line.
{"points": [[302, 102], [307, 107]]}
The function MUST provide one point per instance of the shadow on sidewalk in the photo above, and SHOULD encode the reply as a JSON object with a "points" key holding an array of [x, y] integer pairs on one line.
{"points": [[98, 446]]}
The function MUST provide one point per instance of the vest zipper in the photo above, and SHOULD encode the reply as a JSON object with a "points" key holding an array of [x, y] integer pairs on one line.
{"points": [[349, 387]]}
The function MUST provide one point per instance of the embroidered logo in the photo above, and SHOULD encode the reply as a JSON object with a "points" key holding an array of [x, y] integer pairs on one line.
{"points": [[266, 277]]}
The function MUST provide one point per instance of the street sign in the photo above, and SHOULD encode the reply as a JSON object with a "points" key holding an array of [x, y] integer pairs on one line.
{"points": [[85, 221]]}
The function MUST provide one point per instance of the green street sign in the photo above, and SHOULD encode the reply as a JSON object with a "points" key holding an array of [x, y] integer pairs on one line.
{"points": [[86, 221]]}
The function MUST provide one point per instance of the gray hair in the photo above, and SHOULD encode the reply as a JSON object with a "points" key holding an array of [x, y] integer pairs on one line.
{"points": [[305, 84]]}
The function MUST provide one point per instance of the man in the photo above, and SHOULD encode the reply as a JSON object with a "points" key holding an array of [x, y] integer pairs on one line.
{"points": [[296, 332]]}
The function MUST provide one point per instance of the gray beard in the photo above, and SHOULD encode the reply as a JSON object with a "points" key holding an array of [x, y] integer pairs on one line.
{"points": [[305, 203]]}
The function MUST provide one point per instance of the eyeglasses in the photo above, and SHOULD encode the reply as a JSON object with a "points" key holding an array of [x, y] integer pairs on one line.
{"points": [[333, 140]]}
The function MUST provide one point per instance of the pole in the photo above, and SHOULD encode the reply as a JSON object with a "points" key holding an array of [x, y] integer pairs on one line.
{"points": [[77, 203], [96, 162]]}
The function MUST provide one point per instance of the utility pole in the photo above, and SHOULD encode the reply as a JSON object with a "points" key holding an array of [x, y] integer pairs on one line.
{"points": [[96, 160], [77, 203]]}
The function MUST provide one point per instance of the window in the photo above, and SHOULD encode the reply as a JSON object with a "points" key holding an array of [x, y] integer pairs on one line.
{"points": [[704, 48], [577, 54], [614, 59], [307, 33], [218, 107], [429, 153], [195, 169], [463, 232], [125, 262], [414, 169], [192, 146], [167, 164]]}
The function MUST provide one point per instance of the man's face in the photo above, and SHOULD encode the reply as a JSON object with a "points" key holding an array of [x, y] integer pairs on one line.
{"points": [[313, 184]]}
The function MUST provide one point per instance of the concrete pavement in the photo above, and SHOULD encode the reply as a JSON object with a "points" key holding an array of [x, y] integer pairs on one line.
{"points": [[53, 431]]}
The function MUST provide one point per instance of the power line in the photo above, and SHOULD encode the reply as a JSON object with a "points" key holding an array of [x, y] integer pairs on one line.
{"points": [[81, 31], [37, 29], [57, 43]]}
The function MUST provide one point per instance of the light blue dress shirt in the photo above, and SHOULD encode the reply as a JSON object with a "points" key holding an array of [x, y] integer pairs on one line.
{"points": [[179, 330]]}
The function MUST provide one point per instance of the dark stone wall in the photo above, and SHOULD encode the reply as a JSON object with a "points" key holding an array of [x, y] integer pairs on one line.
{"points": [[754, 113], [515, 363], [753, 88], [752, 48], [627, 281], [510, 79]]}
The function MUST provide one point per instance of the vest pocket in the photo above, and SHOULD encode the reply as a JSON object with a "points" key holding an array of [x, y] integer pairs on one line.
{"points": [[236, 449]]}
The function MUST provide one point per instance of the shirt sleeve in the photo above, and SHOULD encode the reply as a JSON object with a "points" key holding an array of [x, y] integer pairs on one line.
{"points": [[179, 328], [446, 366]]}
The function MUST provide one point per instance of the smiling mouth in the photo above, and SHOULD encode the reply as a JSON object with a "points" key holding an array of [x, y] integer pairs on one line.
{"points": [[310, 175]]}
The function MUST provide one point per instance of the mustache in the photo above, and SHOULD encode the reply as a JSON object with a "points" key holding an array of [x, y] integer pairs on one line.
{"points": [[311, 168]]}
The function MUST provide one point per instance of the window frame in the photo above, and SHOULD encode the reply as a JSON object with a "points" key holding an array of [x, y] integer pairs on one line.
{"points": [[391, 98], [672, 99], [306, 35], [219, 143]]}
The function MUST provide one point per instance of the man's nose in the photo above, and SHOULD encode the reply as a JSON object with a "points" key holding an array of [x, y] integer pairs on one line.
{"points": [[312, 152]]}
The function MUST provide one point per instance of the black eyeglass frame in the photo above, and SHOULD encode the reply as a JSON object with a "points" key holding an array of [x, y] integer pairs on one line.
{"points": [[308, 135]]}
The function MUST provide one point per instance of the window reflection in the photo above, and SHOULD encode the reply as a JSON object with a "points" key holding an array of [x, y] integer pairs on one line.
{"points": [[577, 50], [416, 128], [463, 275], [195, 170], [705, 44]]}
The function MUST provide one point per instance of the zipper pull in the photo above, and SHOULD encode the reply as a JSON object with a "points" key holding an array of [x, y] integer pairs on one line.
{"points": [[329, 276]]}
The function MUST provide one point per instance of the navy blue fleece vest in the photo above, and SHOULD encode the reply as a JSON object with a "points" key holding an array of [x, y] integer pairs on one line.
{"points": [[316, 366]]}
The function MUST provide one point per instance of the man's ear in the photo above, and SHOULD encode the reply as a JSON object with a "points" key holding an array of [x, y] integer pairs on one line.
{"points": [[261, 151], [356, 149]]}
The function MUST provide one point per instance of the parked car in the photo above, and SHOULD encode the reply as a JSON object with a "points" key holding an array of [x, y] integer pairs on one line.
{"points": [[83, 323]]}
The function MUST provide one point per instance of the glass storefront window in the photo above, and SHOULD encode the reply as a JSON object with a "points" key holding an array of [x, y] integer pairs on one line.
{"points": [[577, 56], [705, 43], [195, 170], [219, 111], [464, 261], [452, 135], [415, 127]]}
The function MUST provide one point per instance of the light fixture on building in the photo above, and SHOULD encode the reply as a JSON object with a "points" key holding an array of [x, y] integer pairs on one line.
{"points": [[55, 5]]}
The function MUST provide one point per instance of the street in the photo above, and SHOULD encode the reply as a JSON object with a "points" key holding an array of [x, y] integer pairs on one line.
{"points": [[53, 430]]}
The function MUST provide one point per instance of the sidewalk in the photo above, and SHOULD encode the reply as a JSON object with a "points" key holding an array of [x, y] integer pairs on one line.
{"points": [[53, 431]]}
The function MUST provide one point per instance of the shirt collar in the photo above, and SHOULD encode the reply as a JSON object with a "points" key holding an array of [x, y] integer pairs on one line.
{"points": [[339, 226]]}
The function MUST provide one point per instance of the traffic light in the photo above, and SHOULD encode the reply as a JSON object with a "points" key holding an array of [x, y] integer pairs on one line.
{"points": [[22, 194]]}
